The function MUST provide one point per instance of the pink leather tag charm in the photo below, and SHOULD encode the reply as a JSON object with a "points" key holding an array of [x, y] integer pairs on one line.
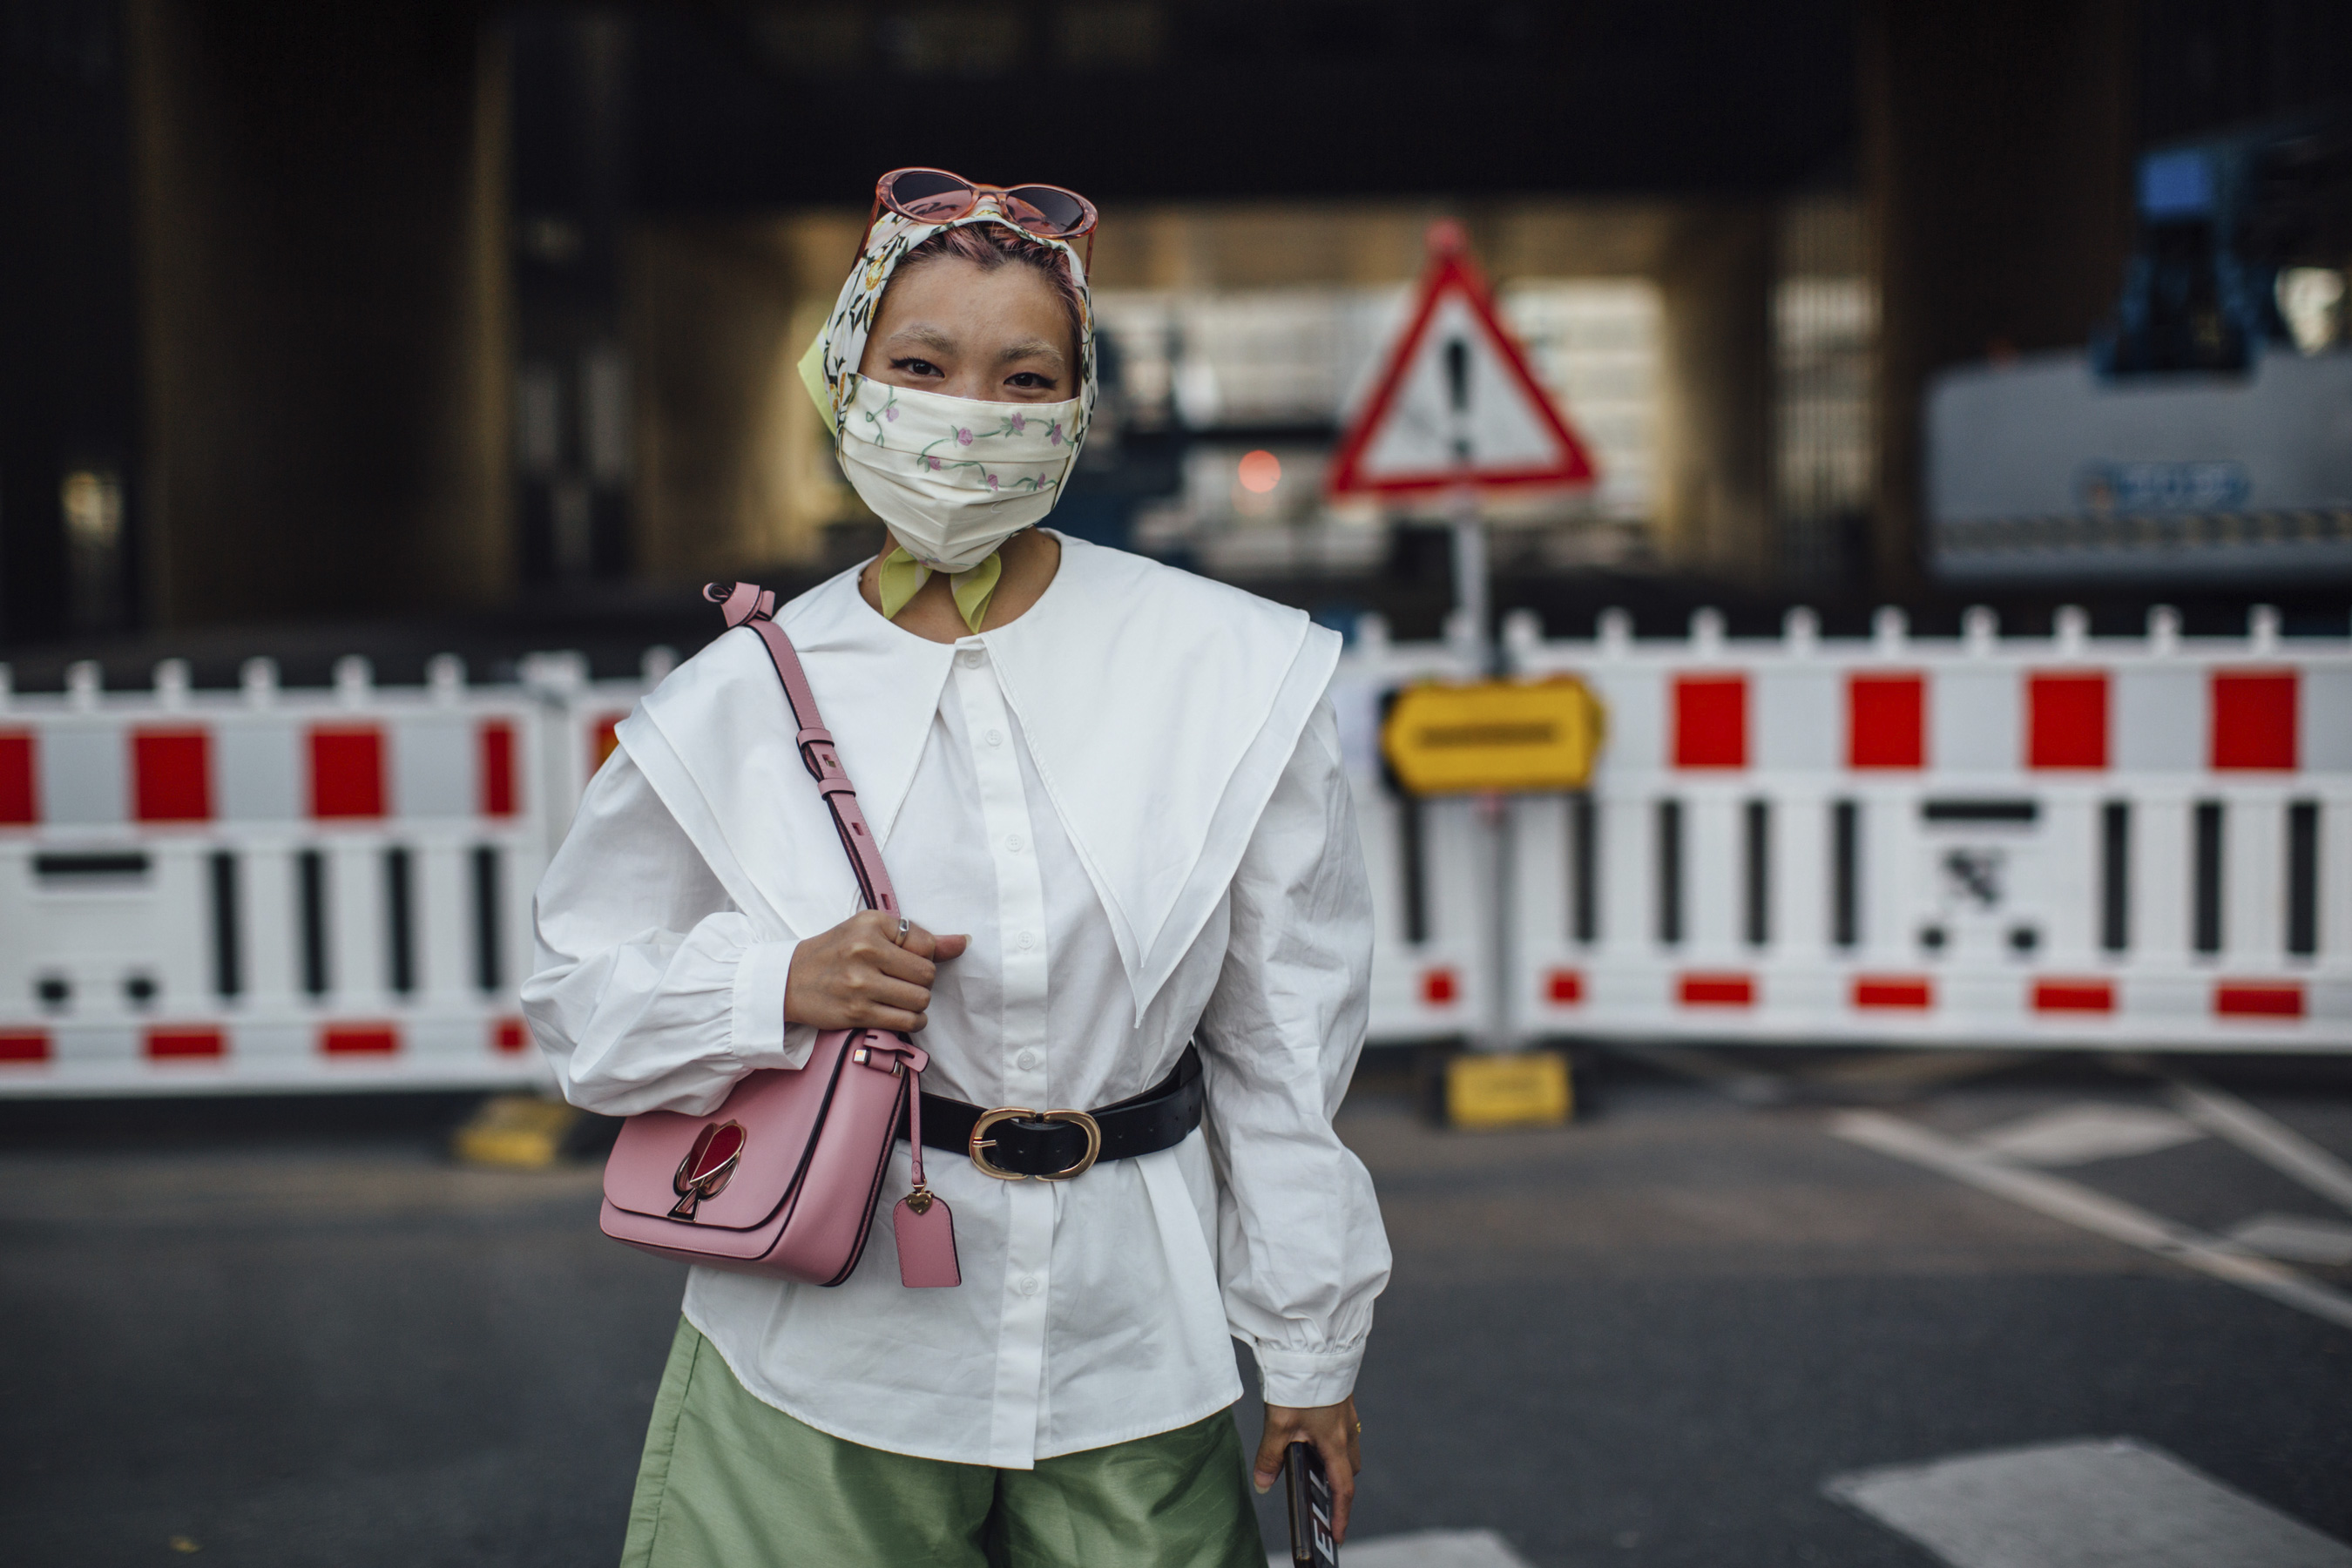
{"points": [[926, 1232]]}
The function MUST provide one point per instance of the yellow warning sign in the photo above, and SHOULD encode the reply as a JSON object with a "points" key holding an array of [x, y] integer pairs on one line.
{"points": [[1500, 735], [1524, 1089]]}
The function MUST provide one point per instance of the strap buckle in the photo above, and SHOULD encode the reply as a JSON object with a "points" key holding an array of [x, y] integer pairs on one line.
{"points": [[989, 1118]]}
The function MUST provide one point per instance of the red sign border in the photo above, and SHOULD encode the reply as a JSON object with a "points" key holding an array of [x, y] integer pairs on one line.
{"points": [[1450, 268]]}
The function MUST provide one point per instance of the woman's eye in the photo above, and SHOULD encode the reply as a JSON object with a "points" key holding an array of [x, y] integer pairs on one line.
{"points": [[1030, 381], [916, 367]]}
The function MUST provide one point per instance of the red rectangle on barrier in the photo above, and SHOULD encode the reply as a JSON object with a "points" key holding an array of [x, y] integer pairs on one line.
{"points": [[1710, 721], [510, 1035], [2258, 999], [359, 1039], [171, 775], [2066, 721], [2073, 996], [181, 1044], [1438, 988], [347, 771], [604, 739], [1886, 721], [1564, 987], [20, 799], [1717, 991], [1912, 993], [24, 1045], [2253, 720], [497, 763]]}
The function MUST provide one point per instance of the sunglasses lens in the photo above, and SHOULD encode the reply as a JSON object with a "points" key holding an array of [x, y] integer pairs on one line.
{"points": [[928, 194], [1044, 209]]}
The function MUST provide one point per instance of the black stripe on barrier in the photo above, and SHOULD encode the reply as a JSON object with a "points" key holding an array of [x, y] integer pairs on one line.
{"points": [[399, 930], [2206, 894], [310, 895], [1670, 871], [2115, 876], [1415, 888], [1981, 810], [1845, 872], [1584, 888], [489, 972], [228, 952], [2302, 878], [54, 864], [1760, 872]]}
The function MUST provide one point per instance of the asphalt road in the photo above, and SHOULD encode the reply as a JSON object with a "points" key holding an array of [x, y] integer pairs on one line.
{"points": [[292, 1333]]}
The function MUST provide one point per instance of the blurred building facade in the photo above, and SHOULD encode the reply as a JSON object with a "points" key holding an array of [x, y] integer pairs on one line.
{"points": [[383, 307]]}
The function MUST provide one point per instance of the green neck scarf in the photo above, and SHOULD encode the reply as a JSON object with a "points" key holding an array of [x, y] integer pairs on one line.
{"points": [[902, 576]]}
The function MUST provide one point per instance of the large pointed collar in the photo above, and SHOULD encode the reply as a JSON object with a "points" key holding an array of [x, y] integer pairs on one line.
{"points": [[1159, 708]]}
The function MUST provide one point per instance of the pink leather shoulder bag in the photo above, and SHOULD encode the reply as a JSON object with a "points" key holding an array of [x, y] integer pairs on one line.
{"points": [[782, 1177]]}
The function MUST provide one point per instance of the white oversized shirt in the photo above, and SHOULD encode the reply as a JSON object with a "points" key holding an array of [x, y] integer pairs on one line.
{"points": [[1091, 1312]]}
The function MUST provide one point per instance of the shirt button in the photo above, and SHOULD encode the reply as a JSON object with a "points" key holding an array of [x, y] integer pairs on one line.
{"points": [[970, 658], [1025, 941], [1013, 842], [1028, 1285], [996, 737], [1027, 1061]]}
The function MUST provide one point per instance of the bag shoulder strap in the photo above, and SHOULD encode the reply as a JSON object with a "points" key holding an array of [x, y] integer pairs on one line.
{"points": [[748, 604]]}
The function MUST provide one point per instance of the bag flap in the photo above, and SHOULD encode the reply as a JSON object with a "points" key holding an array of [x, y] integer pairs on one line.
{"points": [[779, 1112]]}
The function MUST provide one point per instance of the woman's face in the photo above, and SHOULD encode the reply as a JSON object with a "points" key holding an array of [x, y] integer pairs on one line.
{"points": [[947, 326]]}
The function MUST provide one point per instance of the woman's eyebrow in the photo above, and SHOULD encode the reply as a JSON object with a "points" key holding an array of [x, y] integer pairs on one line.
{"points": [[1031, 348], [918, 335]]}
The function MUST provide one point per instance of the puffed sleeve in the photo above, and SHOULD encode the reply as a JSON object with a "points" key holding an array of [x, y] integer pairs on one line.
{"points": [[652, 991], [1302, 1250]]}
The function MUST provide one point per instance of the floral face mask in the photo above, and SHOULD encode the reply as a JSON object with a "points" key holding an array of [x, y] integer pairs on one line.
{"points": [[953, 477]]}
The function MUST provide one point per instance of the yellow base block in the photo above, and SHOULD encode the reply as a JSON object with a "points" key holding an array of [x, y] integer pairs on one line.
{"points": [[1522, 1089], [519, 1132]]}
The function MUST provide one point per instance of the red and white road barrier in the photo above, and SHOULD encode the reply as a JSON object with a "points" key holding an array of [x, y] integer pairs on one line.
{"points": [[267, 890], [2112, 842], [2128, 843]]}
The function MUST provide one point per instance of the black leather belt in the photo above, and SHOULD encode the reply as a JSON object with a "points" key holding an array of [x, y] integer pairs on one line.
{"points": [[1011, 1142]]}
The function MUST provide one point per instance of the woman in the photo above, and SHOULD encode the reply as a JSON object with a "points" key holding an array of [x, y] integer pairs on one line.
{"points": [[1118, 787]]}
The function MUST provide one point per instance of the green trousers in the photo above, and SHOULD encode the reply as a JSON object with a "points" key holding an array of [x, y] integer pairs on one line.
{"points": [[729, 1482]]}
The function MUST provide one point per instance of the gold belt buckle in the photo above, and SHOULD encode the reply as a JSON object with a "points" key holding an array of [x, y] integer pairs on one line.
{"points": [[989, 1118]]}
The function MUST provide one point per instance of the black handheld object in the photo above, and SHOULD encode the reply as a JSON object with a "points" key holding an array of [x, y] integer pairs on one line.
{"points": [[1309, 1491]]}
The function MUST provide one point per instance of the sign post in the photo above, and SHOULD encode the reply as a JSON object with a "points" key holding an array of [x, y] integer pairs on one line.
{"points": [[1455, 415]]}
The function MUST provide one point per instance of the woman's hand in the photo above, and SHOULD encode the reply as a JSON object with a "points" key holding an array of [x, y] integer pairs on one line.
{"points": [[1332, 1428], [862, 974]]}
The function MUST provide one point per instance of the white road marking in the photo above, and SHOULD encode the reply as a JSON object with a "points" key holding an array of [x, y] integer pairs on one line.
{"points": [[2094, 1211], [2292, 1238], [2079, 1134], [1425, 1548], [2092, 1503], [2278, 1146]]}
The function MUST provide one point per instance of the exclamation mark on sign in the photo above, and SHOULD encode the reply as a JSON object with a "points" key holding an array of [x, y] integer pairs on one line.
{"points": [[1457, 385]]}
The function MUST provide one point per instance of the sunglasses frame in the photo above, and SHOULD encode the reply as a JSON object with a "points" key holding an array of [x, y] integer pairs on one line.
{"points": [[883, 200]]}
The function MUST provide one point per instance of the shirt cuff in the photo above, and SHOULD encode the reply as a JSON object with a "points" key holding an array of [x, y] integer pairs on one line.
{"points": [[761, 1038], [1304, 1379]]}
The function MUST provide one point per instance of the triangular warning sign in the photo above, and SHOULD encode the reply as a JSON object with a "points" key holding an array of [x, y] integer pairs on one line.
{"points": [[1455, 402]]}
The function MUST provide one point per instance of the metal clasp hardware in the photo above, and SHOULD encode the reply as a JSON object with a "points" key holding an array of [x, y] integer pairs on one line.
{"points": [[989, 1118], [865, 1058], [708, 1166]]}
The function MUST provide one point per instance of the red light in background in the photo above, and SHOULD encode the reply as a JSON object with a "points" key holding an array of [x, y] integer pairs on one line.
{"points": [[1260, 471]]}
